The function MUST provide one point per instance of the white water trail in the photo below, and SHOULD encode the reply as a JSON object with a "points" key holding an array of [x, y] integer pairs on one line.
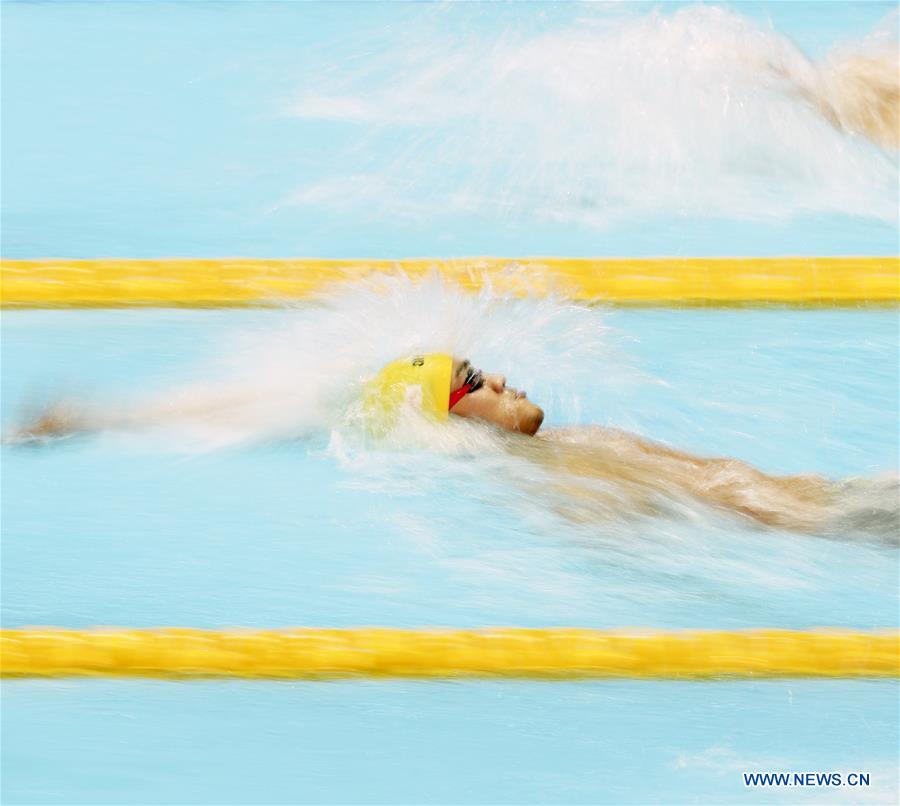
{"points": [[303, 378], [698, 113]]}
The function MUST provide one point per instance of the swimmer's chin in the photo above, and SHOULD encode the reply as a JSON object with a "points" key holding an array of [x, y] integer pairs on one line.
{"points": [[533, 422]]}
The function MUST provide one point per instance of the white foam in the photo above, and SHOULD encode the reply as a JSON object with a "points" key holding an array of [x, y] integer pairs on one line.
{"points": [[303, 379], [699, 112]]}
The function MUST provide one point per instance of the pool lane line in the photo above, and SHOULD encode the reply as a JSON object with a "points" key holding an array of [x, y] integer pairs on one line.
{"points": [[243, 282], [556, 653]]}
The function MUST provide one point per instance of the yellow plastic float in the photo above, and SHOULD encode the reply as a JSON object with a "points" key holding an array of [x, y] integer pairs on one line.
{"points": [[505, 652], [113, 282]]}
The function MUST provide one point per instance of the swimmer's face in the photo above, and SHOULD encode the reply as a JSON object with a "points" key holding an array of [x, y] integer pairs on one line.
{"points": [[496, 402]]}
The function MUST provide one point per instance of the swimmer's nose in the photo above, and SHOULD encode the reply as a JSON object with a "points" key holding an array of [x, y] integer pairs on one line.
{"points": [[496, 382]]}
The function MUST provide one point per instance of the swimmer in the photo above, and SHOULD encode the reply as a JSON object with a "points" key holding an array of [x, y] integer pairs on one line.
{"points": [[857, 93], [643, 471], [434, 383]]}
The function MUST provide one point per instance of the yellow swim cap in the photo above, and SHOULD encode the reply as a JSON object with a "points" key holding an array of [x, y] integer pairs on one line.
{"points": [[422, 381]]}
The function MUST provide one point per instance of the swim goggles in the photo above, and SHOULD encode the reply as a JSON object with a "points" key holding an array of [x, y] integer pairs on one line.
{"points": [[473, 382]]}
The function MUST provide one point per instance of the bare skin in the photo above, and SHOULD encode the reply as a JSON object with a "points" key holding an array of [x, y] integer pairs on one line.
{"points": [[496, 402], [859, 94], [642, 470], [64, 419]]}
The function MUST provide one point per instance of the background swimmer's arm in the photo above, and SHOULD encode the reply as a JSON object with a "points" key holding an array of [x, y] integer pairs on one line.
{"points": [[857, 93]]}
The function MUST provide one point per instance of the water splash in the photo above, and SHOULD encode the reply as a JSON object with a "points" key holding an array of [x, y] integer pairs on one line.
{"points": [[617, 116], [303, 379]]}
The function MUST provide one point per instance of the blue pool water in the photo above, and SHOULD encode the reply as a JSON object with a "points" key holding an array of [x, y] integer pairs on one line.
{"points": [[365, 742], [388, 130], [171, 528]]}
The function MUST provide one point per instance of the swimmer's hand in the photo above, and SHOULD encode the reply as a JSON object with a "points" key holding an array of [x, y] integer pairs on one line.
{"points": [[57, 421]]}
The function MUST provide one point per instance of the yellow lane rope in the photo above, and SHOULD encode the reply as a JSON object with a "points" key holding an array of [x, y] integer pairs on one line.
{"points": [[510, 652], [112, 282]]}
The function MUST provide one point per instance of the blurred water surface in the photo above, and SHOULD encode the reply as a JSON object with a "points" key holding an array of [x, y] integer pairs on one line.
{"points": [[240, 524], [387, 130]]}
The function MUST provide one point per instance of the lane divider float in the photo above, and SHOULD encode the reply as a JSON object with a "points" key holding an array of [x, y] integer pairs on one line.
{"points": [[557, 653], [224, 282]]}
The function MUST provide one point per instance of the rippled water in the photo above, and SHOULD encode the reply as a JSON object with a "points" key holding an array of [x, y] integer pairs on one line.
{"points": [[237, 523], [251, 495], [226, 398], [384, 130]]}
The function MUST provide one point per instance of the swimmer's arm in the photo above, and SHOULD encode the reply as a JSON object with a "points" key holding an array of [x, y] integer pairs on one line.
{"points": [[57, 420], [65, 418], [651, 448]]}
